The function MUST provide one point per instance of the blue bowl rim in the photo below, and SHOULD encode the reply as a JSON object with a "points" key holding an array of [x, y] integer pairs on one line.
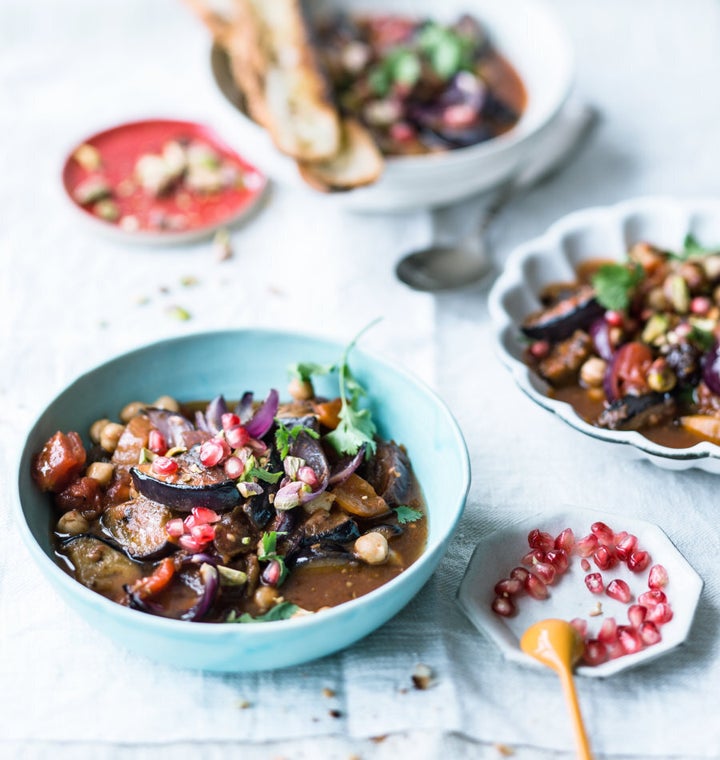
{"points": [[250, 632]]}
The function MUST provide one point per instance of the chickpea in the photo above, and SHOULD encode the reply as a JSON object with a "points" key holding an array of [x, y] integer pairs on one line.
{"points": [[72, 523], [101, 471], [301, 390], [96, 429], [168, 403], [265, 597], [131, 410], [711, 265], [372, 548], [593, 372], [111, 435]]}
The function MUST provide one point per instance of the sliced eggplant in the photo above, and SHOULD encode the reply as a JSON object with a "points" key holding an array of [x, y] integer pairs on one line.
{"points": [[390, 474], [638, 412], [139, 527], [321, 554], [575, 312], [192, 485], [232, 534], [100, 566], [336, 526], [132, 441]]}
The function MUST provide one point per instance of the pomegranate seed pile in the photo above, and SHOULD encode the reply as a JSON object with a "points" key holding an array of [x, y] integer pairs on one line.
{"points": [[549, 558]]}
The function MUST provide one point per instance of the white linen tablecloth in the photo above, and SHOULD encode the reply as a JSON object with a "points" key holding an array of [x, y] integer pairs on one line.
{"points": [[69, 299]]}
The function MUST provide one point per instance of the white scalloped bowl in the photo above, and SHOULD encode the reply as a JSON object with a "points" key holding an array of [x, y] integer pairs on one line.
{"points": [[604, 232], [525, 31]]}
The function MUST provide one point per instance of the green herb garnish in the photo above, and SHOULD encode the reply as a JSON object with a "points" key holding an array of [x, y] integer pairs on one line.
{"points": [[281, 611], [304, 371], [614, 283], [407, 514], [356, 425], [284, 435], [268, 552], [264, 475], [447, 51]]}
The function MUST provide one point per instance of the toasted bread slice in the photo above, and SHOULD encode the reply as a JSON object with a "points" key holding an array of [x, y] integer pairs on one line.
{"points": [[358, 162]]}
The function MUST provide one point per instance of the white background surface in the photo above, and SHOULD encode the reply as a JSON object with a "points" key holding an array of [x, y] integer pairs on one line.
{"points": [[69, 300]]}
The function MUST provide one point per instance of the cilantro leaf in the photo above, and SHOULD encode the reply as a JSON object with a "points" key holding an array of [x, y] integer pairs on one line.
{"points": [[284, 436], [356, 425], [407, 514], [614, 283], [692, 247], [281, 611], [304, 371]]}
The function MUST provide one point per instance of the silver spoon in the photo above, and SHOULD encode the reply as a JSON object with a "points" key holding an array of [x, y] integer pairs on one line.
{"points": [[444, 267]]}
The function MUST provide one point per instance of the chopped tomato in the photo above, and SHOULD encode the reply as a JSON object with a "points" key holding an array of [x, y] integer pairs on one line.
{"points": [[327, 412], [628, 371], [60, 462], [82, 494], [158, 580]]}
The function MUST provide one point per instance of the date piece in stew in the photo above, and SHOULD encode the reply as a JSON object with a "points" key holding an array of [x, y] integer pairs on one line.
{"points": [[635, 345], [234, 513]]}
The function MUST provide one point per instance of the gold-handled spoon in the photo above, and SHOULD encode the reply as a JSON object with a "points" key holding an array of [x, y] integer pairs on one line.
{"points": [[558, 645]]}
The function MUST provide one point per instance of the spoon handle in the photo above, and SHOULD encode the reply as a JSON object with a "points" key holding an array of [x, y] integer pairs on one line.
{"points": [[581, 739], [559, 147]]}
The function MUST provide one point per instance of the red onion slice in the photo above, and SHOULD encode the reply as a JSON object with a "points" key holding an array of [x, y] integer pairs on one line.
{"points": [[263, 419]]}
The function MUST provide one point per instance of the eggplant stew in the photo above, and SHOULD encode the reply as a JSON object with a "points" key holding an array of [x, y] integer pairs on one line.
{"points": [[243, 512], [420, 86], [635, 345]]}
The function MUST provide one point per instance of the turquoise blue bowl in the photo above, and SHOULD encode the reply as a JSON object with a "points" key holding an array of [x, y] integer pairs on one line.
{"points": [[230, 362]]}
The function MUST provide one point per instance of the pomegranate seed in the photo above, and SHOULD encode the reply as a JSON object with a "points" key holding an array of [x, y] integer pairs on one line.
{"points": [[539, 349], [213, 452], [629, 639], [538, 539], [608, 631], [700, 305], [157, 443], [307, 475], [237, 437], [636, 614], [660, 614], [580, 626], [658, 577], [595, 652], [402, 131], [203, 534], [204, 515], [229, 420], [164, 466], [535, 587], [503, 605], [536, 555], [545, 571], [619, 590], [614, 318], [626, 546], [587, 545], [175, 527], [508, 587], [615, 650], [565, 540], [584, 564], [234, 467], [594, 582], [558, 558], [190, 544], [459, 115], [638, 561], [273, 571], [190, 522], [652, 598], [649, 633], [603, 533], [520, 573], [605, 558]]}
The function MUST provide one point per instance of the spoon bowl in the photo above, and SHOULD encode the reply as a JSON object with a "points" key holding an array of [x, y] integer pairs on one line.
{"points": [[558, 645], [444, 267]]}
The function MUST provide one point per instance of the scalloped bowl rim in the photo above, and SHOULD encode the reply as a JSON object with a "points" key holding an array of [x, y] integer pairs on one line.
{"points": [[548, 244], [260, 632]]}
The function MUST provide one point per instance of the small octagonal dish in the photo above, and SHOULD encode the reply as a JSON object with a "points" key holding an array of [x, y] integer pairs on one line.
{"points": [[498, 553]]}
